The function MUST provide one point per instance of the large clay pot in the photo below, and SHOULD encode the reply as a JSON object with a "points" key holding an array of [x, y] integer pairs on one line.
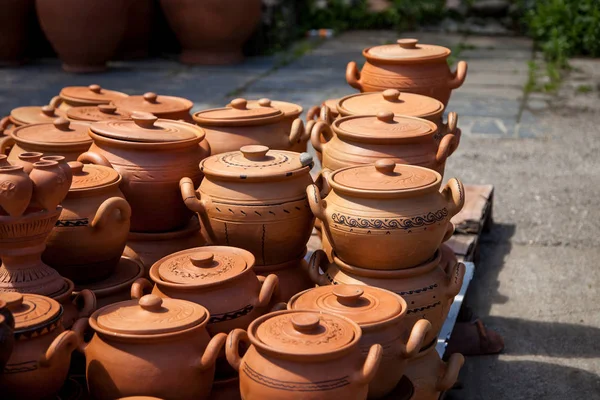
{"points": [[101, 112], [292, 275], [408, 67], [428, 289], [7, 334], [14, 21], [303, 354], [230, 128], [79, 96], [85, 34], [255, 199], [151, 155], [165, 107], [380, 315], [135, 43], [210, 31], [150, 347], [40, 359], [15, 190], [95, 216], [387, 216]]}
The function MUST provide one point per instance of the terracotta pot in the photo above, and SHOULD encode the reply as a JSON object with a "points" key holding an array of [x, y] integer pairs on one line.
{"points": [[255, 199], [40, 359], [212, 32], [380, 315], [428, 288], [7, 334], [101, 112], [230, 128], [28, 115], [387, 216], [75, 305], [15, 190], [151, 155], [431, 376], [96, 216], [150, 347], [226, 389], [14, 22], [364, 139], [50, 184], [409, 67], [84, 34], [26, 160], [303, 354], [165, 107], [63, 165], [292, 276], [79, 96], [135, 43]]}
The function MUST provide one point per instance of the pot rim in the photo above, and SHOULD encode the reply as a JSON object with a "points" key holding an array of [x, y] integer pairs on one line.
{"points": [[411, 61], [228, 123], [144, 146], [428, 116], [390, 274], [236, 177], [192, 226]]}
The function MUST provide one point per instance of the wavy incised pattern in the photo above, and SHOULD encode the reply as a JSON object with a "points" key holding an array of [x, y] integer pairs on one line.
{"points": [[419, 221]]}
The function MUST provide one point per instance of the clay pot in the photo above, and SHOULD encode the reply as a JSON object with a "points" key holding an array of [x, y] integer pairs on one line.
{"points": [[29, 115], [75, 305], [15, 190], [364, 139], [380, 315], [40, 359], [150, 347], [226, 389], [27, 159], [408, 67], [387, 216], [50, 184], [151, 155], [212, 32], [428, 289], [303, 354], [14, 22], [255, 199], [96, 216], [84, 34], [63, 164], [165, 107], [135, 43], [230, 128], [101, 112], [292, 276], [7, 335], [79, 96]]}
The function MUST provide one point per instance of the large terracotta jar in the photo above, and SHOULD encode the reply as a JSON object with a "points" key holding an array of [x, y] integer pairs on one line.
{"points": [[407, 66], [101, 112], [135, 43], [79, 96], [293, 277], [255, 199], [303, 355], [228, 129], [165, 107], [85, 34], [211, 31], [151, 155], [387, 216], [150, 347], [95, 217], [39, 363], [380, 315], [14, 23], [428, 289]]}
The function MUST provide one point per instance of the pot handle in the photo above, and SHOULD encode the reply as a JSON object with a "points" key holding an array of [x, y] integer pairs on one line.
{"points": [[85, 302], [449, 232], [55, 102], [140, 287], [267, 290], [459, 76], [313, 113], [4, 123], [448, 144], [451, 123], [317, 205], [79, 328], [415, 340], [5, 143], [298, 134], [321, 128], [232, 349], [371, 365], [191, 198], [318, 260], [89, 157], [455, 279], [211, 353], [322, 182], [353, 76], [450, 376], [63, 344], [454, 192], [107, 209]]}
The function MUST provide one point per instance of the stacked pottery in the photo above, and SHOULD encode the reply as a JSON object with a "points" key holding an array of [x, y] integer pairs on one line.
{"points": [[92, 95], [24, 116]]}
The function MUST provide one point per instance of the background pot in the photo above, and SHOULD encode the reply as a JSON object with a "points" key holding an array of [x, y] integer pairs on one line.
{"points": [[13, 30], [135, 43]]}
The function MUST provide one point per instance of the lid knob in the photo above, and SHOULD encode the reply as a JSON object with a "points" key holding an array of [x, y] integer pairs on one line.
{"points": [[386, 166], [62, 124], [264, 102], [150, 97], [255, 152], [12, 299], [348, 294], [107, 108], [305, 322], [95, 88], [204, 259], [305, 159], [408, 43], [144, 119], [76, 167], [239, 104], [151, 302], [48, 111], [391, 94], [385, 116]]}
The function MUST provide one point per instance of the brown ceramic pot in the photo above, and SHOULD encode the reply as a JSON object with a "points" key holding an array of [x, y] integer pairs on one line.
{"points": [[28, 115], [380, 315], [27, 159], [409, 67], [387, 216], [85, 34], [151, 155], [165, 107], [135, 43], [255, 199], [15, 190], [79, 96], [50, 184], [303, 354], [230, 128], [7, 334], [210, 31], [292, 275], [14, 23], [96, 216], [101, 112], [428, 288], [40, 359]]}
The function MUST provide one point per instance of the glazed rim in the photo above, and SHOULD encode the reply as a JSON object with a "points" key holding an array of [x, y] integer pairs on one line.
{"points": [[147, 146], [390, 274], [345, 112], [359, 137], [106, 291], [56, 145]]}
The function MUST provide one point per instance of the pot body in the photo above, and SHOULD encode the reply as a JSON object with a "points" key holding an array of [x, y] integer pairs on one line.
{"points": [[13, 30], [292, 276], [70, 152], [430, 375], [135, 43]]}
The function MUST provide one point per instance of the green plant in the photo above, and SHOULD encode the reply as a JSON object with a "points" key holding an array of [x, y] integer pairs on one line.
{"points": [[584, 89]]}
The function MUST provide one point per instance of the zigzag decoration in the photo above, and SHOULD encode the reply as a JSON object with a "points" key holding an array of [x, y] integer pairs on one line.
{"points": [[417, 291], [228, 316], [72, 222], [18, 368], [295, 386], [419, 309]]}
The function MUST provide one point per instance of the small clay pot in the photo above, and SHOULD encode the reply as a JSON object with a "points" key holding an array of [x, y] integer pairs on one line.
{"points": [[7, 335], [63, 164], [101, 112], [165, 107], [77, 96], [14, 23], [50, 184], [27, 159], [15, 190], [293, 277]]}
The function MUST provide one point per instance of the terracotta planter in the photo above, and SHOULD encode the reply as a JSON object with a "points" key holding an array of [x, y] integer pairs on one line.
{"points": [[15, 190], [84, 34], [95, 215], [303, 354], [292, 276], [7, 334], [135, 43], [165, 107], [151, 155], [212, 32], [409, 67], [230, 128], [255, 199], [80, 96], [14, 23], [101, 112], [428, 289], [387, 216], [380, 315], [150, 347]]}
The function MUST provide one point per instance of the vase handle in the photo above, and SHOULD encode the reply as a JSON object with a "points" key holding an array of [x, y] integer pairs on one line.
{"points": [[193, 201], [318, 260], [450, 376], [4, 124], [313, 113], [232, 348], [459, 76], [211, 353], [371, 365], [55, 102], [107, 209], [268, 289], [353, 76], [79, 328], [297, 133], [454, 192], [140, 287], [85, 302], [415, 340], [321, 129], [89, 157], [63, 344]]}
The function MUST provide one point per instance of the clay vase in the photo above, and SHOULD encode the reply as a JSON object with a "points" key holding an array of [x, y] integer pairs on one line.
{"points": [[212, 32], [80, 96], [50, 184], [135, 43], [303, 354], [15, 190], [84, 34], [7, 336], [13, 30], [150, 347], [101, 112], [27, 159], [293, 277], [165, 107], [408, 67]]}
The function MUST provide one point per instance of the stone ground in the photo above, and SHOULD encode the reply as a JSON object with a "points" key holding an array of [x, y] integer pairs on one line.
{"points": [[538, 279]]}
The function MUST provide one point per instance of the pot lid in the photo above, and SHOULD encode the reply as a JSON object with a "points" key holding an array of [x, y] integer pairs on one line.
{"points": [[31, 311], [362, 304], [289, 109], [93, 94], [384, 125], [409, 104], [407, 50], [256, 161], [332, 105], [149, 315], [147, 128], [91, 176], [100, 112], [155, 104], [35, 114], [239, 114], [60, 131], [304, 332]]}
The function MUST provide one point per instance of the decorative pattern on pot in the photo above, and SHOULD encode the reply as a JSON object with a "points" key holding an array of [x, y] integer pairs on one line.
{"points": [[165, 107], [78, 96], [15, 190]]}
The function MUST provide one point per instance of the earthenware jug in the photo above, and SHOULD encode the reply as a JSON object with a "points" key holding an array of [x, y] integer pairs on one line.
{"points": [[7, 334], [92, 95], [165, 107], [101, 112], [15, 190]]}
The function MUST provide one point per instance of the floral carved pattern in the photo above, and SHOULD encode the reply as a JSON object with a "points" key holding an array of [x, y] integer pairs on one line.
{"points": [[391, 223]]}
